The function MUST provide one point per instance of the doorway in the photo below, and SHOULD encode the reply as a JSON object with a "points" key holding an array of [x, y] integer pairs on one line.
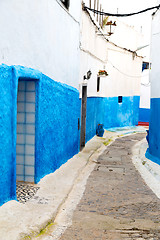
{"points": [[83, 117], [25, 145]]}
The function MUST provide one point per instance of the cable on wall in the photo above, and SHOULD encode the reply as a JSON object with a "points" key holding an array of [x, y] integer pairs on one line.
{"points": [[117, 14], [147, 84], [127, 74]]}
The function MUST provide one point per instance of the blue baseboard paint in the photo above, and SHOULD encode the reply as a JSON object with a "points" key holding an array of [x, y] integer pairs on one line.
{"points": [[144, 114], [7, 133], [109, 112], [121, 114], [95, 115], [57, 135], [154, 126], [57, 112], [151, 157]]}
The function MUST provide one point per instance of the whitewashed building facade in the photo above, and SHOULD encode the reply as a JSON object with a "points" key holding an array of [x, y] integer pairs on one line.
{"points": [[39, 97], [153, 151], [113, 100]]}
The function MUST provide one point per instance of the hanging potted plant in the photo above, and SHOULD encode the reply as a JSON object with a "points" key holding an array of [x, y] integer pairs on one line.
{"points": [[103, 73]]}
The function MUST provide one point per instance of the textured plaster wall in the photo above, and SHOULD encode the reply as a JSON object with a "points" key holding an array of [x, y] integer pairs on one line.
{"points": [[95, 115], [123, 80], [154, 134], [144, 111], [125, 35], [144, 114], [57, 131], [153, 152], [57, 112], [109, 112], [124, 73], [50, 45], [7, 133], [121, 114], [57, 135], [155, 56], [98, 54]]}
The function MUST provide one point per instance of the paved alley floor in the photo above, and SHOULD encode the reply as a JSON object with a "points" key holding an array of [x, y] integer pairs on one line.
{"points": [[25, 191], [117, 204]]}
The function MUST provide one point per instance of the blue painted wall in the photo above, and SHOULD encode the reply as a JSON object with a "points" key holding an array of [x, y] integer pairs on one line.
{"points": [[109, 112], [153, 152], [57, 125], [57, 112], [121, 114], [7, 144], [95, 115], [57, 135], [144, 114]]}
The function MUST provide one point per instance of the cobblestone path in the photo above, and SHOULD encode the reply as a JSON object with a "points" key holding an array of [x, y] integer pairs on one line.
{"points": [[117, 204], [25, 191]]}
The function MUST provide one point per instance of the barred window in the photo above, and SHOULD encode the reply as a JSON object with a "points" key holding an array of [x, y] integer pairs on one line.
{"points": [[66, 3]]}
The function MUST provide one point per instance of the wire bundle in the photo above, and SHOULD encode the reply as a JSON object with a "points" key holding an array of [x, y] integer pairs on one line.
{"points": [[120, 15]]}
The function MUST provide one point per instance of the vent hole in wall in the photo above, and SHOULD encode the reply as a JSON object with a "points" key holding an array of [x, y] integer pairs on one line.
{"points": [[120, 98]]}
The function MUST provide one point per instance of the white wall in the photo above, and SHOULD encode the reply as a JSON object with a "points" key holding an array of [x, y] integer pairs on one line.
{"points": [[155, 57], [126, 36], [98, 54], [43, 35], [93, 53], [145, 97], [124, 73], [145, 90], [88, 62]]}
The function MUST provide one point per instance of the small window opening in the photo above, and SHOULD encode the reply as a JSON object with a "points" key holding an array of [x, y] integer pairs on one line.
{"points": [[119, 99], [145, 65], [66, 3], [98, 84]]}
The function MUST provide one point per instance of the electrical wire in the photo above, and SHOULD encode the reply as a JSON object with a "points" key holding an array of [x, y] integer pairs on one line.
{"points": [[143, 84], [117, 14], [146, 84], [127, 74], [156, 33]]}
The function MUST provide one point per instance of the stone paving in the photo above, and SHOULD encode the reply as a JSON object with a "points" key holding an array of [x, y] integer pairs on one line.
{"points": [[25, 191], [117, 204]]}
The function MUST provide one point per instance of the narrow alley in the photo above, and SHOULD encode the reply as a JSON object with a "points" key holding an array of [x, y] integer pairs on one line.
{"points": [[79, 120], [117, 203]]}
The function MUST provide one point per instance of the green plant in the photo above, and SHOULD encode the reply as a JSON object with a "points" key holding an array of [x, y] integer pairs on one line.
{"points": [[105, 20], [106, 143]]}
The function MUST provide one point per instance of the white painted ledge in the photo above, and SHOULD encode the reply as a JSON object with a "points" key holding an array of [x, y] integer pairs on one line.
{"points": [[149, 170]]}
